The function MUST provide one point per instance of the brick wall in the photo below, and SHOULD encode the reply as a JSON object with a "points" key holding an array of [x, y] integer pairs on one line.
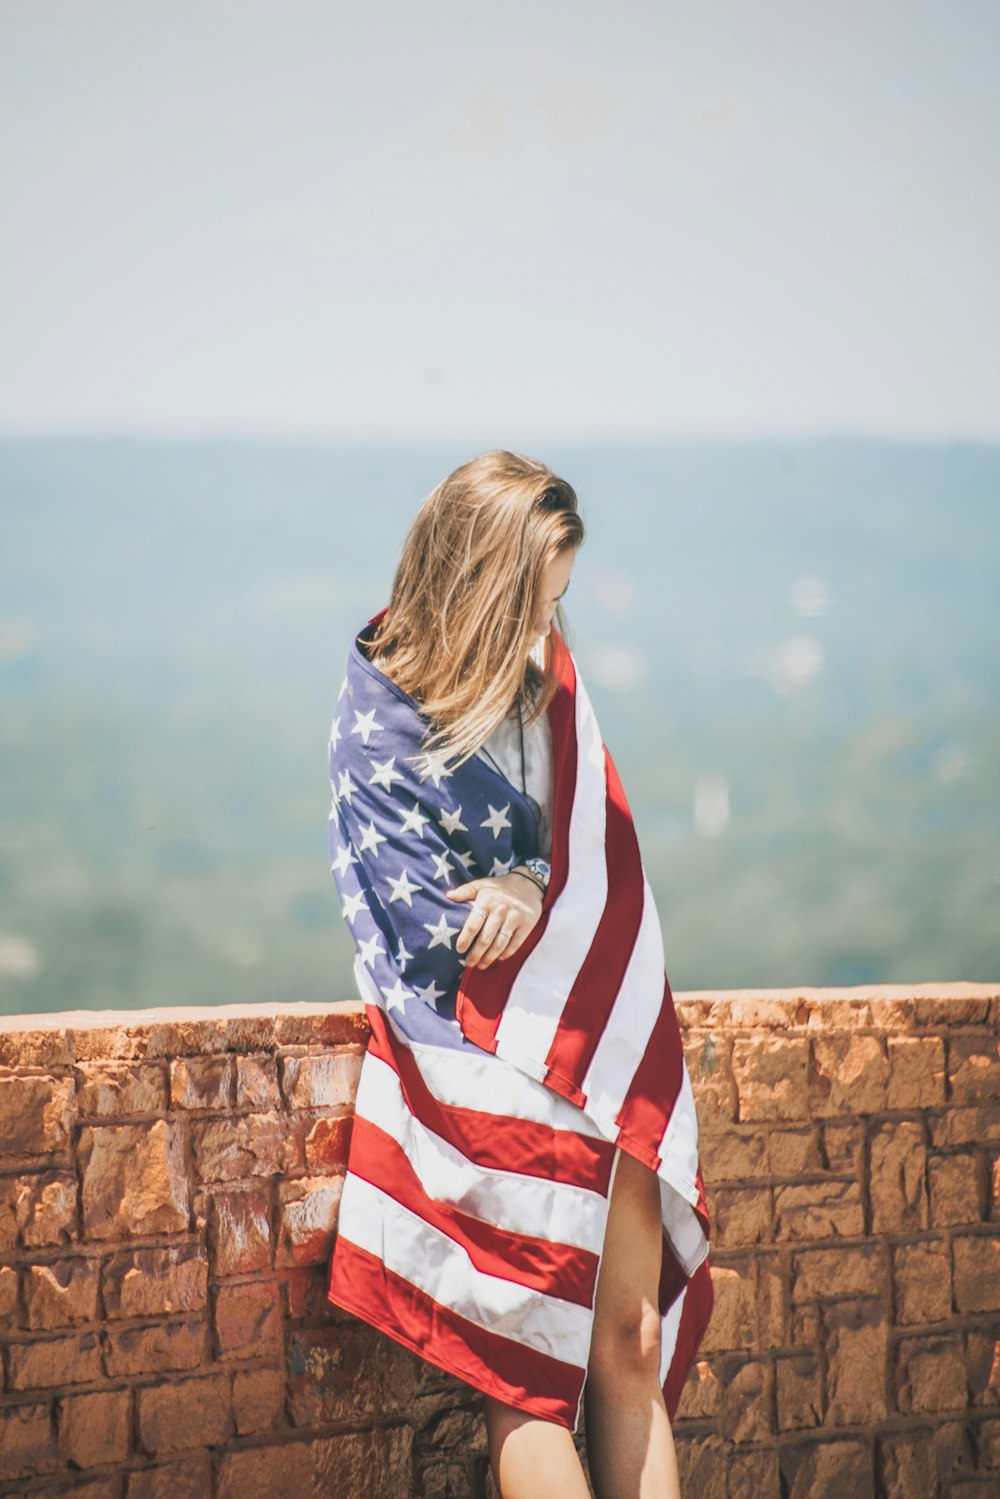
{"points": [[169, 1183]]}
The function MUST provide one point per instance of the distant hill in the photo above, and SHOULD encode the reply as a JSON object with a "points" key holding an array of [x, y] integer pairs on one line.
{"points": [[792, 648]]}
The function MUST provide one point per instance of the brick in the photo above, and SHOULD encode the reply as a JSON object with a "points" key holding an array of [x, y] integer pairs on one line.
{"points": [[347, 1373], [957, 1190], [818, 1210], [304, 1294], [771, 1074], [252, 1145], [329, 1080], [239, 1230], [94, 1488], [49, 1362], [308, 1209], [709, 1063], [921, 1275], [183, 1413], [982, 1359], [988, 1444], [8, 1295], [38, 1210], [36, 1114], [62, 1294], [263, 1472], [26, 1441], [807, 1327], [748, 1401], [771, 1278], [369, 1465], [701, 1394], [977, 1273], [191, 1478], [731, 1155], [179, 1343], [753, 1475], [202, 1082], [977, 1125], [974, 1069], [340, 1024], [839, 1467], [898, 1161], [849, 1075], [906, 1465], [819, 1274], [701, 1465], [327, 1144], [855, 1351], [930, 1374], [94, 1428], [916, 1072], [843, 1148], [134, 1179], [248, 1320], [155, 1282], [741, 1216], [257, 1083], [120, 1090], [258, 1399], [995, 1189], [799, 1391], [734, 1317], [953, 1450], [793, 1152]]}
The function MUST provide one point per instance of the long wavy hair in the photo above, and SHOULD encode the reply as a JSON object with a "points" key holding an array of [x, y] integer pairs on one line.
{"points": [[456, 635]]}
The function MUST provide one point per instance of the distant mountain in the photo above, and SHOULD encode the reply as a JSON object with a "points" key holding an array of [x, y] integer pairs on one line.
{"points": [[792, 649]]}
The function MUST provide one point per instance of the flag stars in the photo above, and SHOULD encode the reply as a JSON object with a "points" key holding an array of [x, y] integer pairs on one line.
{"points": [[384, 775], [467, 860], [442, 869], [345, 858], [496, 820], [502, 866], [429, 992], [441, 934], [371, 949], [403, 888], [365, 724], [371, 838], [435, 770], [396, 996], [452, 821], [413, 822], [335, 735], [352, 904], [403, 957], [346, 788]]}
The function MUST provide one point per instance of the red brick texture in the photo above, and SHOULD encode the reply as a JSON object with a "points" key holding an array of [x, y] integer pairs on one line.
{"points": [[169, 1187]]}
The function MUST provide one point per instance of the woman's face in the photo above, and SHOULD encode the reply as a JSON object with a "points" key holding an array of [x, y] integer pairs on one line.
{"points": [[555, 581]]}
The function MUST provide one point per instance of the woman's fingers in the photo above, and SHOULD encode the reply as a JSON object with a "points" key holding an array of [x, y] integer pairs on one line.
{"points": [[483, 934]]}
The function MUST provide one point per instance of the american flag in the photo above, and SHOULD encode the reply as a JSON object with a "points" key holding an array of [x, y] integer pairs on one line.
{"points": [[492, 1101]]}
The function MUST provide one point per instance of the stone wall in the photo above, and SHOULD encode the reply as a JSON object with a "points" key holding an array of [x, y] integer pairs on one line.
{"points": [[169, 1183]]}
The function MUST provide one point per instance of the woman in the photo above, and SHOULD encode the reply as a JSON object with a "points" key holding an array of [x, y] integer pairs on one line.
{"points": [[523, 1205]]}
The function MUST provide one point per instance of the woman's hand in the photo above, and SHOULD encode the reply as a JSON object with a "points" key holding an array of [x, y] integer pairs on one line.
{"points": [[505, 908]]}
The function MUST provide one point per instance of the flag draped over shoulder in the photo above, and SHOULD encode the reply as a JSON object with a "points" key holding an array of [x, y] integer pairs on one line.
{"points": [[492, 1101]]}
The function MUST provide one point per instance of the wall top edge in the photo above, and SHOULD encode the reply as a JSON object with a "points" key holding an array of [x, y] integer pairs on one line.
{"points": [[91, 1020]]}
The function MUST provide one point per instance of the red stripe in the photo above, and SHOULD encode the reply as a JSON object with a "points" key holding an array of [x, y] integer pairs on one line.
{"points": [[498, 1142], [509, 1371], [695, 1315], [482, 993], [650, 1100], [597, 985], [562, 1270]]}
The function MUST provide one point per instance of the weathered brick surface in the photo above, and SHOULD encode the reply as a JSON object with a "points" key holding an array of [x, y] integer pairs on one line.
{"points": [[169, 1190]]}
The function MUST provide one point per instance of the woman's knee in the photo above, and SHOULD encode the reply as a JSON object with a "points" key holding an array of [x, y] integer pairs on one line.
{"points": [[626, 1348]]}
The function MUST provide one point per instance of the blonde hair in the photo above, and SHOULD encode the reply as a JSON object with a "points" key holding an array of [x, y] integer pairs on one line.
{"points": [[456, 635]]}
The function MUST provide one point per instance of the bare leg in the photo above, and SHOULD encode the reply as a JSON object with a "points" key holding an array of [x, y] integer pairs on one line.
{"points": [[630, 1446], [531, 1458]]}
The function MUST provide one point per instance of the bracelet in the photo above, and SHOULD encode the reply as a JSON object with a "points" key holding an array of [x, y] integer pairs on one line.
{"points": [[527, 875]]}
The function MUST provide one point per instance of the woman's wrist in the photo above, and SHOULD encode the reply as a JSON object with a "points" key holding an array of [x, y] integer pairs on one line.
{"points": [[527, 874]]}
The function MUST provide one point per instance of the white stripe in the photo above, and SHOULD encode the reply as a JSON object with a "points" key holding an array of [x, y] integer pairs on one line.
{"points": [[440, 1268], [538, 995], [492, 1085], [679, 1147], [625, 1037], [669, 1327], [560, 1212]]}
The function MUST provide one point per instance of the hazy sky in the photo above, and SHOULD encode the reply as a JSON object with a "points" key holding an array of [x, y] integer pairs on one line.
{"points": [[546, 217]]}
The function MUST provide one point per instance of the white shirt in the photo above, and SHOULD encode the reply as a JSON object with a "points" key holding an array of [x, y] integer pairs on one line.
{"points": [[504, 744]]}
